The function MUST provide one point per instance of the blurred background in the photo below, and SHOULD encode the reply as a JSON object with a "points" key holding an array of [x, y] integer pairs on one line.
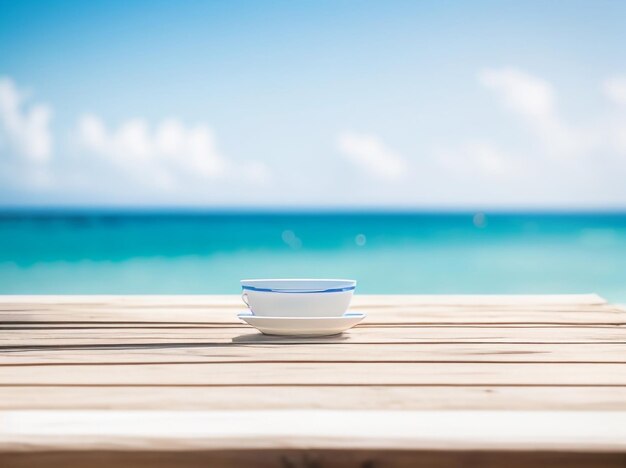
{"points": [[418, 147]]}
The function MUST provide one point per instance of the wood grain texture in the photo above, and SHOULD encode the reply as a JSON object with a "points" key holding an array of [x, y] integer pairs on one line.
{"points": [[413, 358], [316, 373], [325, 352], [330, 397], [88, 317], [219, 310], [91, 338]]}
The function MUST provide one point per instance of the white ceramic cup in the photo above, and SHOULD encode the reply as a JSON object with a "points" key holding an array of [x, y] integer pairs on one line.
{"points": [[298, 297]]}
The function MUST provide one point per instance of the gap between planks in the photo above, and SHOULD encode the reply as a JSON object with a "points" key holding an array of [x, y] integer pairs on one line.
{"points": [[497, 321]]}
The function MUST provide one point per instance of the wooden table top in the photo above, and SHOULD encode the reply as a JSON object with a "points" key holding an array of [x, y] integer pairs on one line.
{"points": [[441, 380]]}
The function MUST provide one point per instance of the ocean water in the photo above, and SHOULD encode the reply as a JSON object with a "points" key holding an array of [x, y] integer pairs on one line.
{"points": [[195, 253]]}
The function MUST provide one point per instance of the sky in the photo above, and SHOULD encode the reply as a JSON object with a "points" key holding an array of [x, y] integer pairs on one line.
{"points": [[407, 105]]}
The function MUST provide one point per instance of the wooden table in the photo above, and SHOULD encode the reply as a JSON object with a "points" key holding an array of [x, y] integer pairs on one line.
{"points": [[438, 380]]}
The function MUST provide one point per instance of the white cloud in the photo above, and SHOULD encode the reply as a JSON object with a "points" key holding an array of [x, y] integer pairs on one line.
{"points": [[554, 164], [24, 130], [534, 100], [615, 89], [156, 153], [168, 155], [370, 154], [564, 164], [521, 92], [137, 161]]}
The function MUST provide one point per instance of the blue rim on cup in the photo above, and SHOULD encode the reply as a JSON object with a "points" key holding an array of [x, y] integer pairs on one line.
{"points": [[298, 297], [299, 286]]}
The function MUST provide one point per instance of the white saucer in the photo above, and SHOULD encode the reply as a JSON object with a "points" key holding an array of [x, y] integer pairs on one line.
{"points": [[302, 326]]}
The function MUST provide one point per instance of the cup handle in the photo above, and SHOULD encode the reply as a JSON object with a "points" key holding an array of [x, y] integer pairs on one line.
{"points": [[244, 298]]}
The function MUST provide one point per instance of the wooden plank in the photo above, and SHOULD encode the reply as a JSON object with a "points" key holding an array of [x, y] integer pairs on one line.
{"points": [[87, 317], [372, 300], [327, 458], [417, 352], [363, 397], [591, 431], [205, 310], [216, 311], [316, 373], [414, 353], [14, 339]]}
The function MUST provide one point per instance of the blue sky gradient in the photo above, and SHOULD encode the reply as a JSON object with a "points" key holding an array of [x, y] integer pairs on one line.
{"points": [[442, 104]]}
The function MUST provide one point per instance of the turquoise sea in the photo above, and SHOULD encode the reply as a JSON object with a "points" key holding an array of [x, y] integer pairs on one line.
{"points": [[64, 252]]}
